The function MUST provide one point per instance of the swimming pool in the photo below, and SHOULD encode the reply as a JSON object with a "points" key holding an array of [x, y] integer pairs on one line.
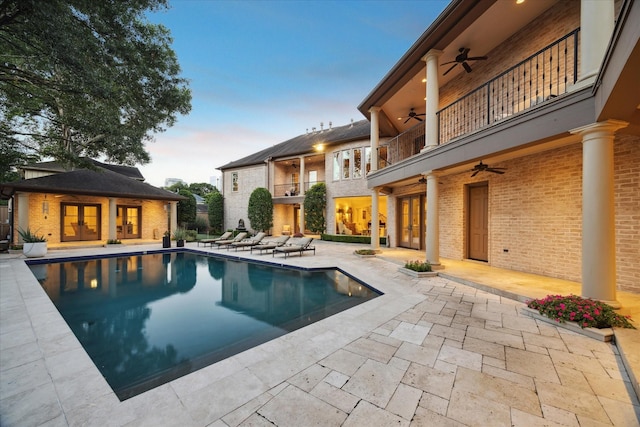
{"points": [[146, 319]]}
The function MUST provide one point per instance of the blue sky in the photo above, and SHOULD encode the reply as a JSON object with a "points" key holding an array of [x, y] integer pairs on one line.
{"points": [[262, 72]]}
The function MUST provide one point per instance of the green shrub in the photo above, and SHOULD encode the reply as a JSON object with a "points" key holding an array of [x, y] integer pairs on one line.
{"points": [[417, 265], [191, 235], [346, 238]]}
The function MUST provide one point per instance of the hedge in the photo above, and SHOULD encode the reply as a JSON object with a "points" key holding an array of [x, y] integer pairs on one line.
{"points": [[346, 238]]}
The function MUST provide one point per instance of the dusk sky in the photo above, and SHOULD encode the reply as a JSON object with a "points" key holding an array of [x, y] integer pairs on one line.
{"points": [[262, 72]]}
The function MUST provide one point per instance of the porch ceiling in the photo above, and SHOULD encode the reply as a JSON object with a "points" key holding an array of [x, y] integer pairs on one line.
{"points": [[465, 25]]}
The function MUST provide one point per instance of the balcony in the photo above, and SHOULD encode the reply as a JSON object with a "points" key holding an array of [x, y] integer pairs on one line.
{"points": [[288, 190], [541, 77]]}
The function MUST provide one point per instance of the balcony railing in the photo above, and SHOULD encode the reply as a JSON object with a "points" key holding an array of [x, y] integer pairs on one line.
{"points": [[285, 190], [544, 75]]}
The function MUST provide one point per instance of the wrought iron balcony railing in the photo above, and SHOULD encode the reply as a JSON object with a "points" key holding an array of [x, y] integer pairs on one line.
{"points": [[542, 76]]}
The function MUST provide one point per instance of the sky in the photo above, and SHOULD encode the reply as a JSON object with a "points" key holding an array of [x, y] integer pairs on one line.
{"points": [[263, 72]]}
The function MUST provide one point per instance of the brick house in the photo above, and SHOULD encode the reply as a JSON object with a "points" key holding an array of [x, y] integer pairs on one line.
{"points": [[512, 138], [338, 156], [89, 206]]}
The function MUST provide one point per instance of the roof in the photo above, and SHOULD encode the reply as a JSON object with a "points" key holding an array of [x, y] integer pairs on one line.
{"points": [[305, 143], [99, 182], [53, 166]]}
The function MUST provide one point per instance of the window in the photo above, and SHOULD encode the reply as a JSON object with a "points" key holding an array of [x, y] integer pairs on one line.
{"points": [[336, 166], [367, 159], [346, 164], [357, 162], [234, 181]]}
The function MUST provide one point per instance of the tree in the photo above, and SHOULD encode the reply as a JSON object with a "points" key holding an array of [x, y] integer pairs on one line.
{"points": [[315, 204], [260, 209], [186, 208], [87, 79], [215, 202], [202, 189]]}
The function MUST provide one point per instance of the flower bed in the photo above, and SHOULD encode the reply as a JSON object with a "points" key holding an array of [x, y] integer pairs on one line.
{"points": [[585, 312]]}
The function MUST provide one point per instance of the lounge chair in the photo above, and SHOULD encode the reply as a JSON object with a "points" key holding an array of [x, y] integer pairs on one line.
{"points": [[298, 244], [247, 243], [238, 238], [270, 244], [206, 242]]}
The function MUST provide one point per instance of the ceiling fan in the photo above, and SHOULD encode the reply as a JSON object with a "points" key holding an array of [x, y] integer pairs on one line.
{"points": [[481, 167], [462, 58], [414, 115]]}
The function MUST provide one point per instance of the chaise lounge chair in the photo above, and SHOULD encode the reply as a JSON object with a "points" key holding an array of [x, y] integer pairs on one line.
{"points": [[298, 244], [206, 242], [238, 238], [247, 243], [270, 244]]}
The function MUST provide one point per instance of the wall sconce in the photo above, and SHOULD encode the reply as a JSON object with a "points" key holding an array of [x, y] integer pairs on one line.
{"points": [[45, 207]]}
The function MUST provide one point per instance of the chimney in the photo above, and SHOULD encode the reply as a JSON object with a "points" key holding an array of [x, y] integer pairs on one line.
{"points": [[321, 126], [330, 125], [351, 123]]}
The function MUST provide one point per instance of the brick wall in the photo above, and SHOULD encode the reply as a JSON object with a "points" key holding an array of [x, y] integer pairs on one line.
{"points": [[535, 212]]}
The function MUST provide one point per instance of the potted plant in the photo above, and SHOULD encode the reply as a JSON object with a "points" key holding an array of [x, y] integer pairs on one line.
{"points": [[166, 240], [179, 234], [35, 245]]}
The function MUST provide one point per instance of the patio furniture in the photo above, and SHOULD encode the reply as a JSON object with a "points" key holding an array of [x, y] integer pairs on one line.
{"points": [[271, 244], [298, 244], [210, 242], [238, 238], [247, 243]]}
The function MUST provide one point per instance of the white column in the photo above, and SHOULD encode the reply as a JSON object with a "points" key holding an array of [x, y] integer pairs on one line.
{"points": [[301, 219], [597, 21], [302, 181], [375, 137], [23, 215], [433, 99], [375, 222], [113, 218], [433, 220], [598, 211], [173, 216]]}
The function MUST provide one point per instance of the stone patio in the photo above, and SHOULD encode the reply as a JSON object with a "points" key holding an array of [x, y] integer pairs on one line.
{"points": [[430, 351]]}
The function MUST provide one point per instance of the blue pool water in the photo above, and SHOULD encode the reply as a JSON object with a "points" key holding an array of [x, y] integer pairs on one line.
{"points": [[150, 318]]}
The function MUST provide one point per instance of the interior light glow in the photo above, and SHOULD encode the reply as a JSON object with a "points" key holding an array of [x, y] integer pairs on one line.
{"points": [[94, 283]]}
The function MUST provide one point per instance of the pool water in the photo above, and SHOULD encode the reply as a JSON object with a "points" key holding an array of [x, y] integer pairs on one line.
{"points": [[147, 319]]}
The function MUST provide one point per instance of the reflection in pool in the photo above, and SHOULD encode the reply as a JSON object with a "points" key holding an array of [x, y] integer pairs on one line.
{"points": [[147, 319]]}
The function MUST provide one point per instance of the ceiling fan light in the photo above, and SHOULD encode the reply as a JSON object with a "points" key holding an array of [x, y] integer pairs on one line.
{"points": [[519, 1]]}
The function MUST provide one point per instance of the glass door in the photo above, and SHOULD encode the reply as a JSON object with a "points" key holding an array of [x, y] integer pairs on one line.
{"points": [[80, 222], [411, 230], [128, 222]]}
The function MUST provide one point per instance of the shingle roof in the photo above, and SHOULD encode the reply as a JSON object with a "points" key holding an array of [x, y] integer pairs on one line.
{"points": [[53, 166], [100, 182], [305, 143]]}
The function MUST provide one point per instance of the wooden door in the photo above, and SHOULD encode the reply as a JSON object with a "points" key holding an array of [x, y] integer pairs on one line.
{"points": [[479, 222]]}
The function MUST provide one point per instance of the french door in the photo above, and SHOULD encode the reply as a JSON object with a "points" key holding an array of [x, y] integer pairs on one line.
{"points": [[128, 222], [80, 222], [411, 220]]}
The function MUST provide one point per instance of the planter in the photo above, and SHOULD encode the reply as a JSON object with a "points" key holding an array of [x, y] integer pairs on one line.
{"points": [[180, 243], [418, 274], [605, 334], [366, 255], [166, 242], [34, 249]]}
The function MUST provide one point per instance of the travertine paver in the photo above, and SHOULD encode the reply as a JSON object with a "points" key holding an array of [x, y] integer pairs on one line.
{"points": [[429, 352]]}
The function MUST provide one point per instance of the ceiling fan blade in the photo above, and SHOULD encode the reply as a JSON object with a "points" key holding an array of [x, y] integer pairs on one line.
{"points": [[477, 58], [452, 67], [466, 67], [465, 51], [417, 118], [475, 173], [409, 118], [450, 62], [495, 171]]}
